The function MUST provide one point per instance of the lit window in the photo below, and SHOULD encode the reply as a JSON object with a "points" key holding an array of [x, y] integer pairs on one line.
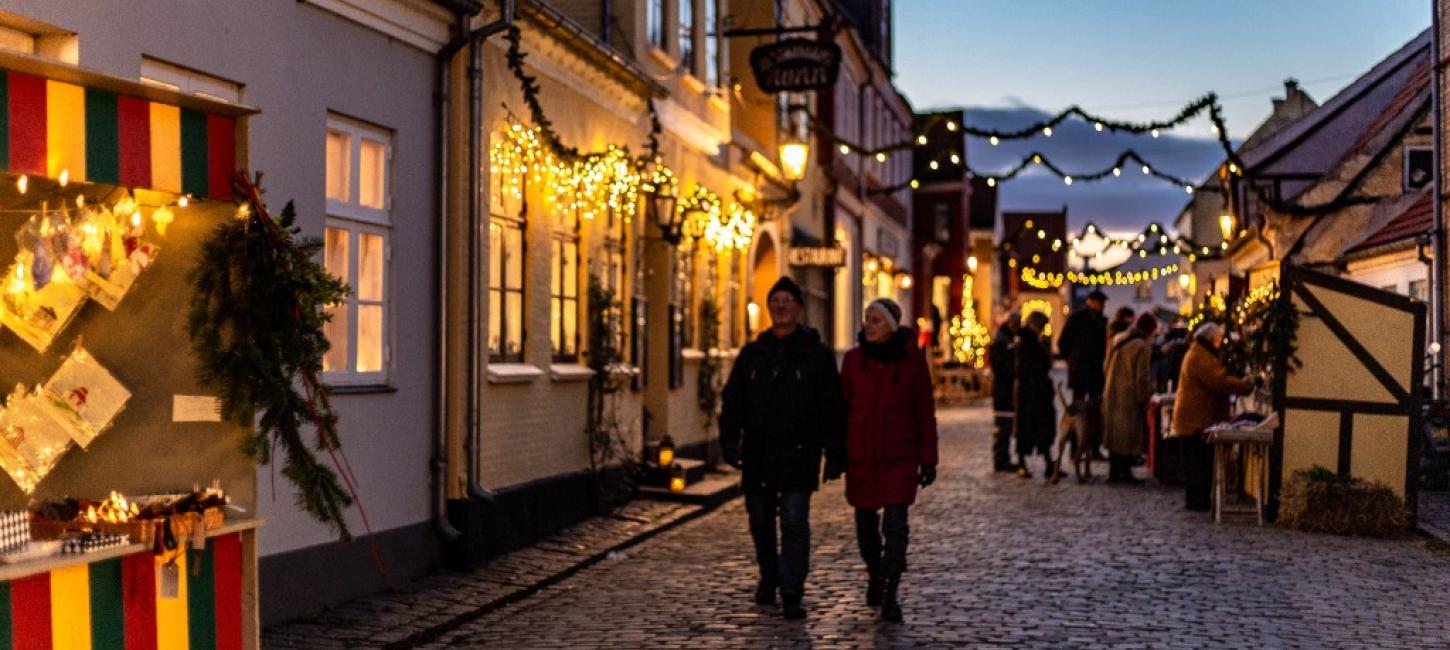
{"points": [[355, 249], [506, 290], [564, 299]]}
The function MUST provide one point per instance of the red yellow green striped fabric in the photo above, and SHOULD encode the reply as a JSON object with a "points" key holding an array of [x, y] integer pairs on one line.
{"points": [[47, 126], [118, 603]]}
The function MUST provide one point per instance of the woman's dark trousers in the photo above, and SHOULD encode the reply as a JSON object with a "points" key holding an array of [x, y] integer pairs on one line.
{"points": [[882, 537]]}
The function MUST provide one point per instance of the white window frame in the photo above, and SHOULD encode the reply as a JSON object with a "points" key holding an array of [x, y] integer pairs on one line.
{"points": [[356, 219], [156, 72]]}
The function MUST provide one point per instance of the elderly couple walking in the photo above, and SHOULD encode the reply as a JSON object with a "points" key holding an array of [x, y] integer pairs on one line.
{"points": [[785, 405]]}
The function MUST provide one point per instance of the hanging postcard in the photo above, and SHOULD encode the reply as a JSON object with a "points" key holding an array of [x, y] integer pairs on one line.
{"points": [[36, 311], [114, 253], [36, 437], [84, 396]]}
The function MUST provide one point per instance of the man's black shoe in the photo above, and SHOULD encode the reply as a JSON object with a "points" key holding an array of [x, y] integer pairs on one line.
{"points": [[765, 594], [1004, 468], [791, 609]]}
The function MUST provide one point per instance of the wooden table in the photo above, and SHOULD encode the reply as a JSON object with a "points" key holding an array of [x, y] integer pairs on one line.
{"points": [[1253, 440]]}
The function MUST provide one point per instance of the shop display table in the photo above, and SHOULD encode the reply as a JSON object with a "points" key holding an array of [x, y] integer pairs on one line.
{"points": [[128, 597], [1252, 440]]}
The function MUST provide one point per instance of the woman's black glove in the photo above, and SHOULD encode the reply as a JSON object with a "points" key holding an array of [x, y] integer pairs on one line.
{"points": [[927, 476]]}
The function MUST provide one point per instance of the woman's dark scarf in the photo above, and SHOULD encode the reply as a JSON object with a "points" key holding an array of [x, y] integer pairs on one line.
{"points": [[892, 349]]}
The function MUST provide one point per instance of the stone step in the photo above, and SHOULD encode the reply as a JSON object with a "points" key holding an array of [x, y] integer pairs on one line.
{"points": [[695, 471], [715, 489]]}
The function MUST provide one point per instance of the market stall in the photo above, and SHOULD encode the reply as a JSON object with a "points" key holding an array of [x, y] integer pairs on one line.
{"points": [[127, 497]]}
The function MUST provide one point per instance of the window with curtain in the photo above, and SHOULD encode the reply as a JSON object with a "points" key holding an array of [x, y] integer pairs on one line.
{"points": [[506, 290], [564, 289], [355, 249]]}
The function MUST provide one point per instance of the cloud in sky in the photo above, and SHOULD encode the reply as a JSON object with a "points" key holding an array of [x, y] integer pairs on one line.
{"points": [[1127, 202]]}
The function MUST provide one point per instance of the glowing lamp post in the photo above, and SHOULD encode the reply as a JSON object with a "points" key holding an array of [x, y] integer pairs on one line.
{"points": [[1226, 226]]}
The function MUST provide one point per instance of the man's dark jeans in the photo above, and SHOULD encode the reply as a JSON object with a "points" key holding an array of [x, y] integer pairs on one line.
{"points": [[786, 565], [871, 527], [1002, 441]]}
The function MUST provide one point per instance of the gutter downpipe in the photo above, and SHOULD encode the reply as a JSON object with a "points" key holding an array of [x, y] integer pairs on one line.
{"points": [[1437, 267], [443, 101], [475, 245]]}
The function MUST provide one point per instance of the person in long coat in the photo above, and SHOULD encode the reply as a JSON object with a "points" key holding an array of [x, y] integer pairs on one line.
{"points": [[781, 409], [1035, 410], [1084, 344], [1003, 359], [1125, 398], [1204, 387], [891, 445]]}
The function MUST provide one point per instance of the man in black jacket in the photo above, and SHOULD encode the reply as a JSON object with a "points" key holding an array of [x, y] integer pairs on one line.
{"points": [[1084, 343], [1003, 355], [782, 407]]}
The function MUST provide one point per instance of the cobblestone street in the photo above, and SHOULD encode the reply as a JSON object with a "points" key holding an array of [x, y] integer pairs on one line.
{"points": [[999, 561]]}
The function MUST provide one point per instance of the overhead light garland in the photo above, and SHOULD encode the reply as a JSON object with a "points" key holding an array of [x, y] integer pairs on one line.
{"points": [[705, 218], [1037, 158]]}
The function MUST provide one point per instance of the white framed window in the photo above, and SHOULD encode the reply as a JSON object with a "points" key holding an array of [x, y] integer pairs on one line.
{"points": [[156, 72], [564, 283], [359, 159], [356, 248], [712, 44]]}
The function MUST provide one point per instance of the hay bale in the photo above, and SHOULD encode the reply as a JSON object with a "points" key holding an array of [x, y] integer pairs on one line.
{"points": [[1318, 500]]}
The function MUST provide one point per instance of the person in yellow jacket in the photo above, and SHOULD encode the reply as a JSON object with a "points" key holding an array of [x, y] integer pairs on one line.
{"points": [[1204, 388]]}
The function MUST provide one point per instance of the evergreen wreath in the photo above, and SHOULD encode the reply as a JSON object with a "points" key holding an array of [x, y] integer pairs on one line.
{"points": [[256, 326]]}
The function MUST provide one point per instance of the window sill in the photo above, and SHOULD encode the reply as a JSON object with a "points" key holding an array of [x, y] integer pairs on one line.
{"points": [[567, 372], [691, 354], [623, 370], [361, 389], [717, 100], [512, 373]]}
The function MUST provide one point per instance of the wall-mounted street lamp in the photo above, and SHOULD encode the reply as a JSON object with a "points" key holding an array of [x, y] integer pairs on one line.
{"points": [[1226, 226], [794, 154], [662, 201]]}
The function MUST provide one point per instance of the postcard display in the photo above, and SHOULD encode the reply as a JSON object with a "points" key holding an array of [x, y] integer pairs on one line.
{"points": [[110, 190]]}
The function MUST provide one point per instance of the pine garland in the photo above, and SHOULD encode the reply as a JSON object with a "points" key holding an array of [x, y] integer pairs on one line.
{"points": [[256, 326]]}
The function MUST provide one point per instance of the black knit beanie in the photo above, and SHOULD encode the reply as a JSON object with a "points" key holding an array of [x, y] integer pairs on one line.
{"points": [[789, 286]]}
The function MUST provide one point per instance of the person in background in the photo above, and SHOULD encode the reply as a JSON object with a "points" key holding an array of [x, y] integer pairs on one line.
{"points": [[1035, 411], [1084, 344], [1002, 356], [891, 445], [1122, 322], [1168, 353], [1125, 398], [781, 407], [1204, 387]]}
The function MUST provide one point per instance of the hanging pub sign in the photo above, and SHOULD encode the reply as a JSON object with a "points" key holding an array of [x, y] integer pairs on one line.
{"points": [[795, 64], [817, 256]]}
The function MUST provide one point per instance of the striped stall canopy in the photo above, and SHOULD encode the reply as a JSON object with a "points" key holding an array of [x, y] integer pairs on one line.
{"points": [[118, 603], [100, 136]]}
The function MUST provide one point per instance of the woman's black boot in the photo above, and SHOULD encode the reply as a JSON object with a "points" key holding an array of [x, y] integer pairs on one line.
{"points": [[890, 606], [874, 585]]}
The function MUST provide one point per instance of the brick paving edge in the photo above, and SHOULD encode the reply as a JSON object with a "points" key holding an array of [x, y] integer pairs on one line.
{"points": [[437, 631]]}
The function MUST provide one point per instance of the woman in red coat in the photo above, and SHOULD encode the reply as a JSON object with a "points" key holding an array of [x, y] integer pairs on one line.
{"points": [[890, 444]]}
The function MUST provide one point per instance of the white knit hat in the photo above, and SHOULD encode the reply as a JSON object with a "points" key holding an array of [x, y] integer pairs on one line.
{"points": [[889, 310]]}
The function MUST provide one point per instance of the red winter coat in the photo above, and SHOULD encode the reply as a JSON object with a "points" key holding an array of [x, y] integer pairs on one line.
{"points": [[890, 425]]}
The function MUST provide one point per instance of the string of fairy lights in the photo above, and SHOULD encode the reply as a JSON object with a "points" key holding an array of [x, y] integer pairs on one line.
{"points": [[589, 183]]}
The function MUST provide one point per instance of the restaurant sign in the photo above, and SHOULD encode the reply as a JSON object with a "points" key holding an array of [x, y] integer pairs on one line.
{"points": [[818, 256], [795, 64]]}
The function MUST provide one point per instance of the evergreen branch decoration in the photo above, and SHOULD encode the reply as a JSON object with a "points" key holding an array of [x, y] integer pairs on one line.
{"points": [[256, 325]]}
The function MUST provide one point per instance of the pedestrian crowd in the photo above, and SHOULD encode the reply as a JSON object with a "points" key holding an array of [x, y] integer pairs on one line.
{"points": [[1114, 368]]}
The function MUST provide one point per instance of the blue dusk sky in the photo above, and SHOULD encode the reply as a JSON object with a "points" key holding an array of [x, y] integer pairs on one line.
{"points": [[1014, 62]]}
